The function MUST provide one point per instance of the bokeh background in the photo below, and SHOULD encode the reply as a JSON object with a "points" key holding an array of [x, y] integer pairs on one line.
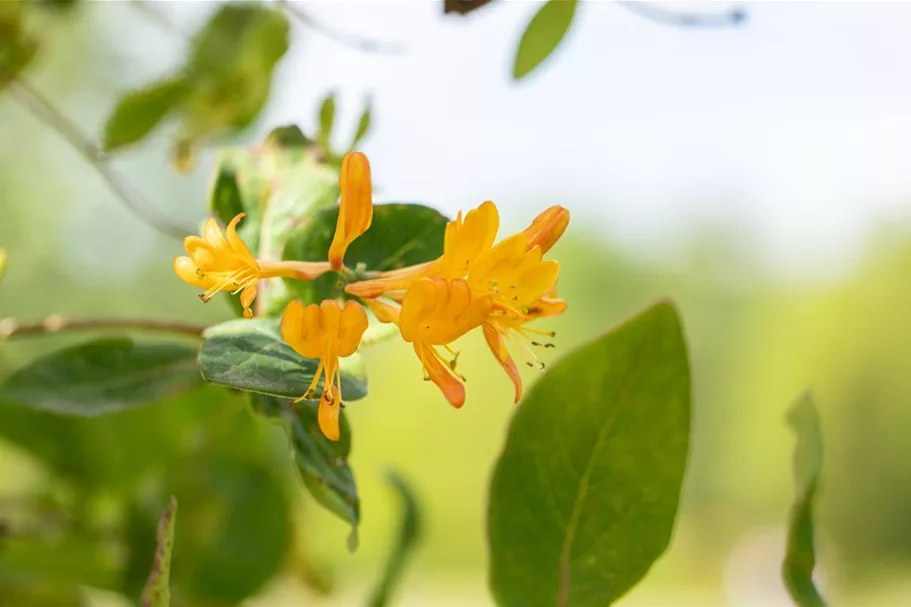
{"points": [[758, 175]]}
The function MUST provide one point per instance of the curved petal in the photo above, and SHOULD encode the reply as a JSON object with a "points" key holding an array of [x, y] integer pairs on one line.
{"points": [[327, 416], [498, 346], [188, 272], [246, 299], [547, 228], [441, 375], [352, 324]]}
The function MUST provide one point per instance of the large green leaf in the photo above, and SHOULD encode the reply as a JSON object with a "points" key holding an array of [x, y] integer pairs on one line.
{"points": [[157, 591], [250, 355], [406, 541], [321, 463], [104, 376], [584, 497], [400, 235], [543, 34], [800, 559], [140, 111]]}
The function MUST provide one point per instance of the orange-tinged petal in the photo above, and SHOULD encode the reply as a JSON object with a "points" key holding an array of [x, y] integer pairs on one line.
{"points": [[498, 346], [418, 304], [547, 228], [188, 272], [356, 206], [246, 299], [441, 375], [546, 307], [383, 311], [465, 239], [301, 328], [352, 324], [237, 244], [327, 416]]}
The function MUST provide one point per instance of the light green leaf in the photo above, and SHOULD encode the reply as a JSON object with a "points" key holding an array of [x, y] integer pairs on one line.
{"points": [[326, 121], [250, 355], [363, 125], [800, 559], [543, 34], [104, 376], [400, 235], [157, 591], [138, 112], [585, 494], [3, 260], [408, 537]]}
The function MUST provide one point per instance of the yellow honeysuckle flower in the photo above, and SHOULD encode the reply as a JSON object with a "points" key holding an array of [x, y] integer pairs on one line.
{"points": [[355, 208], [222, 262], [325, 331], [547, 228], [436, 312]]}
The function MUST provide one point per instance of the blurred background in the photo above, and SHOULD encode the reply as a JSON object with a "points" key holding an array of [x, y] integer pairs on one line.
{"points": [[756, 174]]}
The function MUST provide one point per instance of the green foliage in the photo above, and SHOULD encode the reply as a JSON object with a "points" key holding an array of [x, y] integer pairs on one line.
{"points": [[103, 376], [3, 261], [800, 559], [363, 125], [408, 537], [222, 87], [400, 235], [543, 34], [326, 121], [28, 591], [250, 355], [140, 111], [17, 46], [583, 498], [157, 591]]}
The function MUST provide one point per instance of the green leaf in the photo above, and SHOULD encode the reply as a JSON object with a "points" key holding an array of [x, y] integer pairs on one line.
{"points": [[542, 35], [400, 235], [19, 590], [800, 559], [363, 125], [17, 47], [104, 376], [408, 537], [326, 121], [157, 591], [322, 464], [3, 260], [583, 498], [140, 111], [250, 355]]}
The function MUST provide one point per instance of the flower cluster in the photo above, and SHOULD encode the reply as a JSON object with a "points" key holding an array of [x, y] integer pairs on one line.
{"points": [[475, 284]]}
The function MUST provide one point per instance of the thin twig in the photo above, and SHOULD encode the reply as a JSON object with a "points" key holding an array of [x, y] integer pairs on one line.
{"points": [[729, 18], [10, 327], [362, 44], [51, 117]]}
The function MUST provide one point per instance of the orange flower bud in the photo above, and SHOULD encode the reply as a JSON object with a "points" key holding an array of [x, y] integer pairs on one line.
{"points": [[356, 207], [547, 228]]}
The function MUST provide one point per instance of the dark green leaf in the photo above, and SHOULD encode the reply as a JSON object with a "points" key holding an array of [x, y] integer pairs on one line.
{"points": [[800, 559], [406, 542], [140, 111], [18, 590], [583, 498], [104, 376], [157, 591], [462, 7], [251, 355], [542, 35], [326, 120], [400, 235], [321, 463], [289, 136], [73, 558], [363, 125]]}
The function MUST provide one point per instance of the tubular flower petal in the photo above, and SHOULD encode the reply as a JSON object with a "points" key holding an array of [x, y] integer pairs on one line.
{"points": [[325, 331], [355, 211], [436, 312], [547, 228], [222, 262]]}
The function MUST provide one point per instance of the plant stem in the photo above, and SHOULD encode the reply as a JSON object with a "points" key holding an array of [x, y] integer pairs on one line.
{"points": [[42, 109], [10, 327], [362, 44], [729, 18]]}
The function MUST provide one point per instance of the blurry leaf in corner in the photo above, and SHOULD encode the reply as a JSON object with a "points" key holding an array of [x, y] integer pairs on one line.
{"points": [[17, 590], [408, 536], [104, 376], [363, 125], [140, 111], [462, 7], [326, 121], [543, 34], [17, 47], [157, 591], [800, 558], [3, 259]]}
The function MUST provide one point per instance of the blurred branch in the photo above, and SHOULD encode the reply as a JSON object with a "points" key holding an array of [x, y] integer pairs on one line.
{"points": [[733, 17], [48, 114], [362, 44], [10, 327]]}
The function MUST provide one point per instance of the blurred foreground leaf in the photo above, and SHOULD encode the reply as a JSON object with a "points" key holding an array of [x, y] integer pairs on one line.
{"points": [[321, 463], [800, 559], [3, 259], [157, 591], [363, 125], [250, 355], [462, 7], [24, 591], [401, 234], [140, 111], [17, 47], [104, 376], [326, 121], [407, 540], [543, 34], [584, 497]]}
